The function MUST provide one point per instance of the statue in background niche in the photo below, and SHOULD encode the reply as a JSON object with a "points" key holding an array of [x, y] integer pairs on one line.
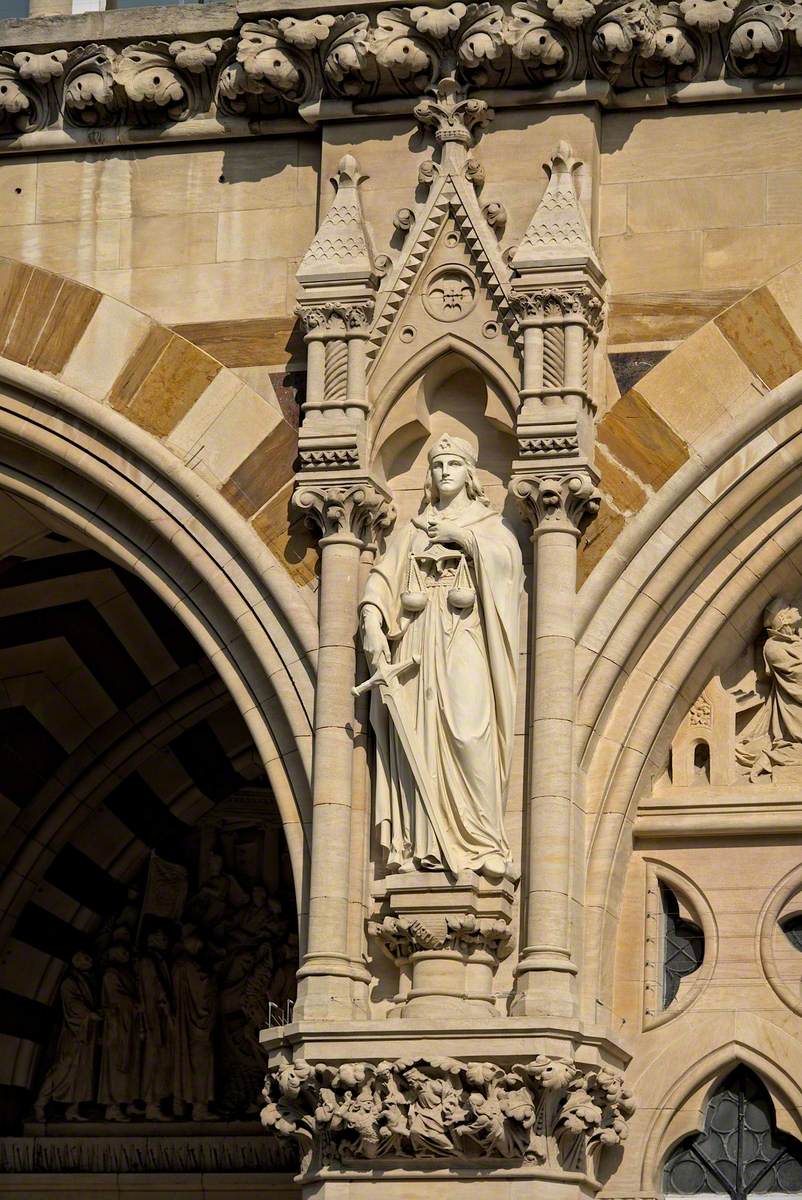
{"points": [[439, 619], [773, 738]]}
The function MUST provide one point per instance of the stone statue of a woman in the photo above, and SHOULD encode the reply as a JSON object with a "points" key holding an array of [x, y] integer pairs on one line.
{"points": [[439, 620]]}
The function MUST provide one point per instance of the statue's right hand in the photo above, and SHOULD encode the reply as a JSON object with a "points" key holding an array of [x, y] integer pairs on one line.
{"points": [[374, 639]]}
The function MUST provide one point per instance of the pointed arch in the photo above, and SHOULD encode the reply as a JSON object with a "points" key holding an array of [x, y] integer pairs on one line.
{"points": [[681, 1108], [420, 362], [122, 431], [681, 587]]}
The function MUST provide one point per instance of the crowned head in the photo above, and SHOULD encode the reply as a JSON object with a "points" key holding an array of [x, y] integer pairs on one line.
{"points": [[452, 465]]}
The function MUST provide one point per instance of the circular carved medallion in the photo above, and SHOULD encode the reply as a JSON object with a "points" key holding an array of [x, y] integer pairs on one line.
{"points": [[450, 293]]}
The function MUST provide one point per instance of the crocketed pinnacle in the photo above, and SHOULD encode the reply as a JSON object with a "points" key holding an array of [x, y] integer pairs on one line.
{"points": [[340, 248], [558, 230]]}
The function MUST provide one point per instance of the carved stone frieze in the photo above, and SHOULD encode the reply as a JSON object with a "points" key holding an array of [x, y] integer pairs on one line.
{"points": [[547, 1111], [566, 499], [544, 304], [401, 937], [353, 509], [274, 66]]}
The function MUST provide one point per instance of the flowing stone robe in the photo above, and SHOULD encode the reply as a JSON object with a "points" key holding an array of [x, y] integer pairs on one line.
{"points": [[196, 1011], [119, 1062], [158, 1022], [71, 1079], [459, 705], [774, 736]]}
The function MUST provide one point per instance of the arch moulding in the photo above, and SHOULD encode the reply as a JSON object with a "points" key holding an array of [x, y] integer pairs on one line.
{"points": [[119, 430]]}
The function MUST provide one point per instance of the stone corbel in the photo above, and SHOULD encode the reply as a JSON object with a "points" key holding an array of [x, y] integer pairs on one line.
{"points": [[549, 1113]]}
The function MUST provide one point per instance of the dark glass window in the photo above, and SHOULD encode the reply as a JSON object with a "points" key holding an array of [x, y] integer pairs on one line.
{"points": [[683, 946], [792, 928], [740, 1152]]}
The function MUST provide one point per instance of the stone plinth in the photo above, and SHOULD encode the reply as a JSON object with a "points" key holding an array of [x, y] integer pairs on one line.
{"points": [[447, 937]]}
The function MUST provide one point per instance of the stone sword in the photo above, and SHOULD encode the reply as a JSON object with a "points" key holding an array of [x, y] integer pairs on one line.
{"points": [[385, 678]]}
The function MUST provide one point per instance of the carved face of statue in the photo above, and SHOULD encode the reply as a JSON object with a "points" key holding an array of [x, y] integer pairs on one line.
{"points": [[449, 475], [157, 940], [259, 896], [82, 961], [119, 954]]}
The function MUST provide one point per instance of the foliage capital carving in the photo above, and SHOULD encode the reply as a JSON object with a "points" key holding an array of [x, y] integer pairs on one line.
{"points": [[562, 500], [352, 510]]}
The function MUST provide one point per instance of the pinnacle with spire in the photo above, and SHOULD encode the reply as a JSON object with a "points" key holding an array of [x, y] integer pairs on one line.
{"points": [[558, 231], [340, 250]]}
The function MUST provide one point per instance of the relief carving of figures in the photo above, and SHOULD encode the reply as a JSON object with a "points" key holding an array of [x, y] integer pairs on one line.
{"points": [[545, 1111], [195, 994], [190, 967], [155, 988], [439, 620], [119, 1061], [70, 1079], [773, 738]]}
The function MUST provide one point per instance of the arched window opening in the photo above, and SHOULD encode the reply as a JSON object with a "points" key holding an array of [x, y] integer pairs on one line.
{"points": [[740, 1152], [683, 946], [701, 762], [792, 928]]}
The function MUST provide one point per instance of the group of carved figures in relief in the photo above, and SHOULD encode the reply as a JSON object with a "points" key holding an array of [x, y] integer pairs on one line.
{"points": [[277, 64], [748, 720], [439, 619], [548, 1110], [160, 1022]]}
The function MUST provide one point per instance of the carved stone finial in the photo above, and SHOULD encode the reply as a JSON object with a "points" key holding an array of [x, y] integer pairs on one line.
{"points": [[558, 229], [452, 115], [340, 249]]}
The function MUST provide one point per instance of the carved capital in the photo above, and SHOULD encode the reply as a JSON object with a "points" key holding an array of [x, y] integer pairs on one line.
{"points": [[564, 500], [335, 316], [401, 937], [541, 305], [546, 1110], [357, 510]]}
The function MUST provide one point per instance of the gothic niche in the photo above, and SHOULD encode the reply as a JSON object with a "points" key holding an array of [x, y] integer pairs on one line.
{"points": [[161, 1016], [746, 726]]}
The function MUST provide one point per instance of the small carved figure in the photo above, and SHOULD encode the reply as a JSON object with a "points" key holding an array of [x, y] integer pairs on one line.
{"points": [[158, 1025], [773, 738], [216, 900], [439, 618], [71, 1078], [195, 1015], [119, 1061]]}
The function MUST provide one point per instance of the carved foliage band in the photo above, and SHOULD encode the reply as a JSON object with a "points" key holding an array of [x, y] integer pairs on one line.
{"points": [[273, 66], [546, 1111]]}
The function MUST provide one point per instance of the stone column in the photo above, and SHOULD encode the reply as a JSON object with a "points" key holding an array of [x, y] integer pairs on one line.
{"points": [[346, 514], [546, 971], [334, 490]]}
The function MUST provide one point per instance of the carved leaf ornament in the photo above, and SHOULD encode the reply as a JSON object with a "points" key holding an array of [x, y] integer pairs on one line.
{"points": [[274, 65]]}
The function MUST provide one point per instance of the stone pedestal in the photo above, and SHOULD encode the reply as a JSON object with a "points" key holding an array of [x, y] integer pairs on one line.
{"points": [[447, 937]]}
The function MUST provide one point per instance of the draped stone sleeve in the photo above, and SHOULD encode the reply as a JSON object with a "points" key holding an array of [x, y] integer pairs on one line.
{"points": [[387, 580], [498, 570]]}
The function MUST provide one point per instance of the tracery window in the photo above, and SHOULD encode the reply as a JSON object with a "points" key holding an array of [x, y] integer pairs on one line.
{"points": [[792, 928], [740, 1152], [683, 946]]}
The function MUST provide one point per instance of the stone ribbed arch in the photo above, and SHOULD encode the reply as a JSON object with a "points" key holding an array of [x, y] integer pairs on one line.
{"points": [[679, 589], [165, 461]]}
